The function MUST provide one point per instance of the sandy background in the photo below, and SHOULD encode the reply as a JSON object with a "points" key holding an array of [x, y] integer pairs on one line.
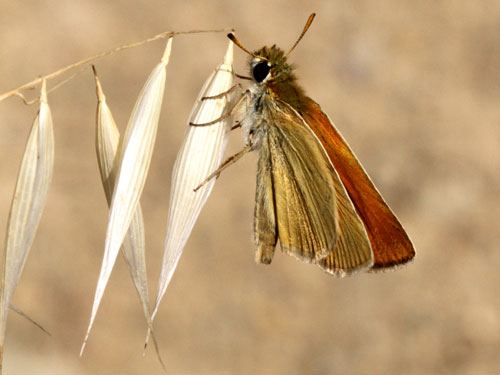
{"points": [[413, 86]]}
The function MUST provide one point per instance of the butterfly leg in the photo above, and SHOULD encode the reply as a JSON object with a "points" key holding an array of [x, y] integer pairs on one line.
{"points": [[236, 125], [225, 115], [222, 94], [229, 161]]}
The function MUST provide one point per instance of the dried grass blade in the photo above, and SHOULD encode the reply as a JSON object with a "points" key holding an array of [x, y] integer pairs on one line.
{"points": [[134, 158], [200, 154], [28, 203]]}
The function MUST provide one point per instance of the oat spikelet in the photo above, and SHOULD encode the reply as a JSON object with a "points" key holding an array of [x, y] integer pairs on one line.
{"points": [[134, 158], [107, 139], [200, 154], [134, 246], [28, 203]]}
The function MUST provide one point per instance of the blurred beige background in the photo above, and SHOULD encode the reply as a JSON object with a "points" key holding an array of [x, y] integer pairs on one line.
{"points": [[413, 86]]}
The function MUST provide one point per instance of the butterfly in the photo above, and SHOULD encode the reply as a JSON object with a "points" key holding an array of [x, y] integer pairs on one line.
{"points": [[312, 193]]}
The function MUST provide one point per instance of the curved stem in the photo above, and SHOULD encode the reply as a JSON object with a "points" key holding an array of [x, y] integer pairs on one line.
{"points": [[167, 34]]}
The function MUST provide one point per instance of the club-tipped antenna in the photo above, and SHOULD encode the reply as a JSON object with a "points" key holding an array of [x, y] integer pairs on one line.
{"points": [[306, 27], [238, 43]]}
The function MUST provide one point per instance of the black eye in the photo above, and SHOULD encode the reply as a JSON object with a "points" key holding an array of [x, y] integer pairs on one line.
{"points": [[260, 71]]}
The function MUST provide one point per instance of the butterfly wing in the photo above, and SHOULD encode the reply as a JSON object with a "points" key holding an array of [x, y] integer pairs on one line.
{"points": [[390, 243], [265, 228], [301, 200]]}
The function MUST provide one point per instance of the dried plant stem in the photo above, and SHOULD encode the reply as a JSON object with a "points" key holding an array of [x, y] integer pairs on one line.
{"points": [[167, 34]]}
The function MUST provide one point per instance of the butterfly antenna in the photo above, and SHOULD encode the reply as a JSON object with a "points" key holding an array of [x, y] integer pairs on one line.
{"points": [[238, 43], [306, 27]]}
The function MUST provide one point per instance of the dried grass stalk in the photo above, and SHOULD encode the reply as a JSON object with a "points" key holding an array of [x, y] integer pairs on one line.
{"points": [[134, 158], [28, 203]]}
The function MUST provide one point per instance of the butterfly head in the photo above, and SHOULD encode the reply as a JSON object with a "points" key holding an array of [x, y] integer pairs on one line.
{"points": [[268, 64]]}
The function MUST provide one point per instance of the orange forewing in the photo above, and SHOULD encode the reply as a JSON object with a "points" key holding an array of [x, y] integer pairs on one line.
{"points": [[390, 243]]}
